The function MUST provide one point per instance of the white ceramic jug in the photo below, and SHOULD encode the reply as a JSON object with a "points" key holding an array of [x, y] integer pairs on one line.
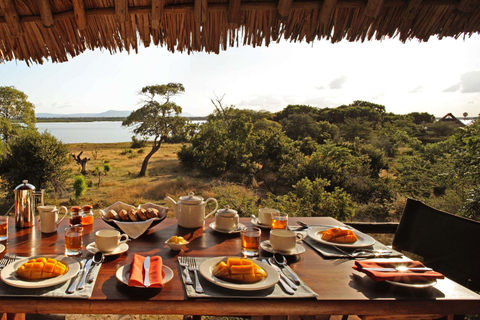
{"points": [[190, 210], [226, 219], [49, 218]]}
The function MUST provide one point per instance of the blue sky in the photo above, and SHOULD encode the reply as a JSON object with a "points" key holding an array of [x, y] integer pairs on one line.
{"points": [[438, 76]]}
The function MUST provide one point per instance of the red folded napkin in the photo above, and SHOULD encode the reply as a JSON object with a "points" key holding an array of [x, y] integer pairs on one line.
{"points": [[407, 277], [137, 273]]}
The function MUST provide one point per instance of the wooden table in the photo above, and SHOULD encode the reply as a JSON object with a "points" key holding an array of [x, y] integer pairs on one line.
{"points": [[341, 290]]}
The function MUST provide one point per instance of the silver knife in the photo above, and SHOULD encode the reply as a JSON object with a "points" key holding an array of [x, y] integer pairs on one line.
{"points": [[285, 278], [81, 285], [285, 286], [146, 267], [73, 286], [400, 269]]}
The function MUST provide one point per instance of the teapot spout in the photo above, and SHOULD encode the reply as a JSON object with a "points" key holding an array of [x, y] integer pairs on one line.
{"points": [[174, 204]]}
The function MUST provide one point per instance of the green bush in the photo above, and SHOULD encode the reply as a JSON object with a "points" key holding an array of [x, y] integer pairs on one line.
{"points": [[79, 186], [37, 157]]}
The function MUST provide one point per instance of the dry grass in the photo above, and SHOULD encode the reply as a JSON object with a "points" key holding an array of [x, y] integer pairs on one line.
{"points": [[164, 176]]}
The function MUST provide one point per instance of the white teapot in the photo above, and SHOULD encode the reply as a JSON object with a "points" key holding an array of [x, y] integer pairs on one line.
{"points": [[226, 219], [190, 210]]}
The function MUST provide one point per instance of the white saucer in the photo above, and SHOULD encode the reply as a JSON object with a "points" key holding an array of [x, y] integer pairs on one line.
{"points": [[2, 247], [123, 247], [214, 227], [265, 245], [257, 222]]}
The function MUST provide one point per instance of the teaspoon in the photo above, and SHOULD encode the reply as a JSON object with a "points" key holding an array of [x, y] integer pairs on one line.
{"points": [[98, 258], [281, 261]]}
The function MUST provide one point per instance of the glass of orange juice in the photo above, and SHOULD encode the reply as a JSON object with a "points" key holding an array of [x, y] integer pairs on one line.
{"points": [[279, 220], [250, 241]]}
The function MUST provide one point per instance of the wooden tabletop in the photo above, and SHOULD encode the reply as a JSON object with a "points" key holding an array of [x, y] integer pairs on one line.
{"points": [[340, 289]]}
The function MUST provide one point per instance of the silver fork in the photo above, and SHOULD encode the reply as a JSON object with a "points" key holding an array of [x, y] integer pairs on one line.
{"points": [[4, 261], [192, 266], [182, 260]]}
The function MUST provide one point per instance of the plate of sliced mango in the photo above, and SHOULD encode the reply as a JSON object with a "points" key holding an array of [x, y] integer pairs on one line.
{"points": [[41, 271], [340, 237], [239, 273]]}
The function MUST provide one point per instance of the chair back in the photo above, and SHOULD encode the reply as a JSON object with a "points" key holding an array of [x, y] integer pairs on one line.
{"points": [[447, 243]]}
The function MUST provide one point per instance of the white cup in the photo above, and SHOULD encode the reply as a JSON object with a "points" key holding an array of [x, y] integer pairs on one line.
{"points": [[108, 240], [265, 215], [284, 240], [49, 218]]}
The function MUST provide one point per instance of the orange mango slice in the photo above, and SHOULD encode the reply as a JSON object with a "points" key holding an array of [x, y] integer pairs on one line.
{"points": [[339, 235], [41, 268], [239, 270]]}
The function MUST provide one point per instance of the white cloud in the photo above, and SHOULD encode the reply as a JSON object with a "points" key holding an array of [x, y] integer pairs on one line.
{"points": [[416, 89], [338, 82], [470, 82]]}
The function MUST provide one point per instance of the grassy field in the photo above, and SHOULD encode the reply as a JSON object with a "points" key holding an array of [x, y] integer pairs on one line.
{"points": [[121, 183]]}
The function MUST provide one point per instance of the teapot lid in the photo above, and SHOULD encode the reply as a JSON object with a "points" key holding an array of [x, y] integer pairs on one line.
{"points": [[25, 186], [227, 211], [191, 199]]}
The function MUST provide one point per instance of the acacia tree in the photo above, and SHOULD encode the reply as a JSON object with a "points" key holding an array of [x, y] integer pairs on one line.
{"points": [[157, 119], [16, 112]]}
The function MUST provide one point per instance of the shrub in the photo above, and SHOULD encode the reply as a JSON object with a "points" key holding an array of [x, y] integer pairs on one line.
{"points": [[79, 186], [138, 143]]}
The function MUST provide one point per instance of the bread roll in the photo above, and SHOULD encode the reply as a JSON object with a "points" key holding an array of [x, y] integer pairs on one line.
{"points": [[152, 213], [112, 214], [142, 214], [132, 214], [123, 215]]}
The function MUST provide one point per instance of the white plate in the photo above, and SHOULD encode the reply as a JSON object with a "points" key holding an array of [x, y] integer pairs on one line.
{"points": [[123, 275], [270, 280], [364, 240], [2, 247], [413, 285], [123, 247], [214, 227], [9, 275], [265, 245], [257, 223]]}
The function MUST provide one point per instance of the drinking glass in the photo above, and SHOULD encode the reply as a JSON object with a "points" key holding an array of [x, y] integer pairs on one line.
{"points": [[250, 241], [279, 220], [3, 228], [73, 241]]}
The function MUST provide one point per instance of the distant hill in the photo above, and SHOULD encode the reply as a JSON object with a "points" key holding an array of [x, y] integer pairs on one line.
{"points": [[106, 114]]}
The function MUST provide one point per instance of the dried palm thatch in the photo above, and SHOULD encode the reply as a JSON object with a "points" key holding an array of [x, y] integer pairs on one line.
{"points": [[34, 30]]}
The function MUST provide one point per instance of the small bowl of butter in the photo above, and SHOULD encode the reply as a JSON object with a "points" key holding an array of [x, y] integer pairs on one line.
{"points": [[176, 243]]}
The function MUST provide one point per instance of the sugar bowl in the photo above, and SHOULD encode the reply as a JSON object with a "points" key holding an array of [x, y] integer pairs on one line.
{"points": [[226, 219]]}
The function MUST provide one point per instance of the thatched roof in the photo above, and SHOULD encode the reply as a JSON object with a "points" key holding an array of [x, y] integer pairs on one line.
{"points": [[33, 30]]}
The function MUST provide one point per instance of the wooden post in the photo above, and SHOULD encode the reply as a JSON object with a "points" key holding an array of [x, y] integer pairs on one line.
{"points": [[283, 8], [80, 14], [373, 8], [11, 17], [200, 11], [46, 13], [157, 13], [121, 10], [233, 13], [328, 7]]}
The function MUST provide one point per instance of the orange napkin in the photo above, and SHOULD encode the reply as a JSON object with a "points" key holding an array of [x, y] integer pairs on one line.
{"points": [[407, 277], [137, 272]]}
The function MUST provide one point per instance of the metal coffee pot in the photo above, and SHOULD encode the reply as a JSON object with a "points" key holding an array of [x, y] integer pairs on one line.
{"points": [[25, 204]]}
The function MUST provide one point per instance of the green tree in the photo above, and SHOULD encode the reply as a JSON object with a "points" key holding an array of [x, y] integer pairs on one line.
{"points": [[299, 126], [37, 157], [159, 120], [16, 112]]}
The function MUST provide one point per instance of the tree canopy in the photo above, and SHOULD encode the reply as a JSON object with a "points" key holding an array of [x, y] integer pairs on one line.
{"points": [[16, 112], [157, 119]]}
